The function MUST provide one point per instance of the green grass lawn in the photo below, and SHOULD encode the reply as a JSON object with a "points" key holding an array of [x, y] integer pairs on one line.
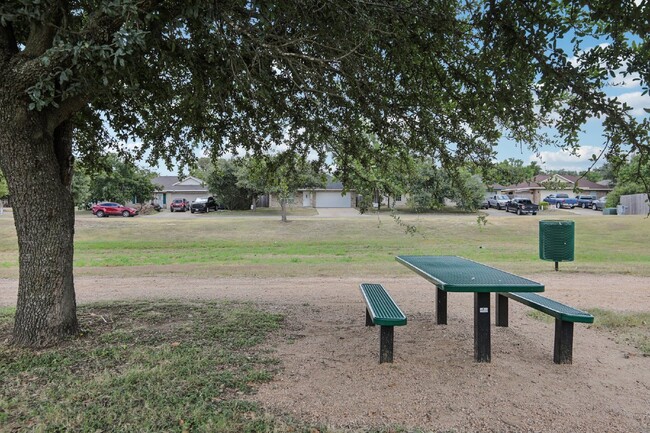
{"points": [[144, 367], [265, 246]]}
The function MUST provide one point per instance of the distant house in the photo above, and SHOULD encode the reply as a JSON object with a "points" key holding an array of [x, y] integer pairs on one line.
{"points": [[330, 196], [536, 189], [170, 187]]}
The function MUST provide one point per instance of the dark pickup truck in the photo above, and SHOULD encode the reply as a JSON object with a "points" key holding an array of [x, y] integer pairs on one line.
{"points": [[584, 201], [521, 206]]}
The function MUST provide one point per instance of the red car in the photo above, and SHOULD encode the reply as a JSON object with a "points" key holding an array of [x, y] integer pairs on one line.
{"points": [[108, 208], [179, 204]]}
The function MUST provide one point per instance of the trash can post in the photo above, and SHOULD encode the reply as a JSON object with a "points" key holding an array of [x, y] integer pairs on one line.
{"points": [[556, 241]]}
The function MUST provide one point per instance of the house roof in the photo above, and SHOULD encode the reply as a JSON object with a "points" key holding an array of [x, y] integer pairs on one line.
{"points": [[523, 186], [334, 185], [174, 184], [331, 185], [582, 182], [538, 181]]}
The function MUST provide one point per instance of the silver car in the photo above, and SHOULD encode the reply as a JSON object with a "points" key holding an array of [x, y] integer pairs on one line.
{"points": [[598, 204]]}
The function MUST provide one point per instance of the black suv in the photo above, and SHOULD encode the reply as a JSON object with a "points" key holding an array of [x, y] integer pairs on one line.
{"points": [[203, 204]]}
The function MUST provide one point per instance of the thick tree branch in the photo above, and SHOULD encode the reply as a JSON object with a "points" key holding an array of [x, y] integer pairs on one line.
{"points": [[42, 33], [66, 110]]}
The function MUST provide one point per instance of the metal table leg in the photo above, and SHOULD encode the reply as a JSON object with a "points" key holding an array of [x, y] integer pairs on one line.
{"points": [[482, 346], [441, 307]]}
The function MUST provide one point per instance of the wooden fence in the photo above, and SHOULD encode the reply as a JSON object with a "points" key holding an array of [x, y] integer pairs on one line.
{"points": [[637, 204]]}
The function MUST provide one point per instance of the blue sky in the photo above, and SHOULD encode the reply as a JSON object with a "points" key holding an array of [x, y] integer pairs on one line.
{"points": [[591, 142], [627, 89]]}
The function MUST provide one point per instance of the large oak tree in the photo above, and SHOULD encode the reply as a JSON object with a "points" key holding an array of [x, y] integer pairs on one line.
{"points": [[442, 78]]}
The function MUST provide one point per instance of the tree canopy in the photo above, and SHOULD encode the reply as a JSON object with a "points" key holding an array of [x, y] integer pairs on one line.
{"points": [[223, 182], [444, 79], [121, 182], [282, 175], [633, 178], [510, 172]]}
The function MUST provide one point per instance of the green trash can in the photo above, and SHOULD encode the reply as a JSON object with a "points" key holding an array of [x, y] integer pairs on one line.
{"points": [[556, 241]]}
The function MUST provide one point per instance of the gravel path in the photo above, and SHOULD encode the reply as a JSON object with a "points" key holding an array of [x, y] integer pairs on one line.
{"points": [[330, 373]]}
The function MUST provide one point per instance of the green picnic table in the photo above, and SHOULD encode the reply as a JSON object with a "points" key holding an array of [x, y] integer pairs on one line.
{"points": [[457, 274]]}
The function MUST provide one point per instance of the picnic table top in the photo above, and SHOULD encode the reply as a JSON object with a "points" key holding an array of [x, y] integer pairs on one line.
{"points": [[457, 274]]}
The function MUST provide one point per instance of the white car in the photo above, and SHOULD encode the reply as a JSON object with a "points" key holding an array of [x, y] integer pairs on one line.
{"points": [[498, 201]]}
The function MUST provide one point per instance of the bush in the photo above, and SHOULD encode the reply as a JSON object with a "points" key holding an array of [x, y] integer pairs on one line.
{"points": [[613, 198]]}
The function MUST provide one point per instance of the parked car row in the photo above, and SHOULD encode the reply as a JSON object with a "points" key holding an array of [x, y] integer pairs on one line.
{"points": [[521, 206], [585, 201], [517, 205], [201, 204]]}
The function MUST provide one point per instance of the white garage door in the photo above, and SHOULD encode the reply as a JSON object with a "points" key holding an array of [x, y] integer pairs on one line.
{"points": [[333, 199]]}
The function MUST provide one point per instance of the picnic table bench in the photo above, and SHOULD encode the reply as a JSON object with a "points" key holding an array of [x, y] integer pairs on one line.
{"points": [[565, 317], [382, 310]]}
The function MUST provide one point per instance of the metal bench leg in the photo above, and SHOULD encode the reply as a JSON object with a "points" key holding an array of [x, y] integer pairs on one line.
{"points": [[441, 307], [386, 344], [369, 321], [563, 348], [501, 310], [482, 347]]}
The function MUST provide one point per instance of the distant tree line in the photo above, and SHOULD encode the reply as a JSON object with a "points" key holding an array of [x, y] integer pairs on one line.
{"points": [[112, 180], [238, 182]]}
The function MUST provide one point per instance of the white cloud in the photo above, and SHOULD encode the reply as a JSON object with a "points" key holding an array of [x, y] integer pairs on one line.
{"points": [[574, 59], [562, 159], [637, 101], [620, 80], [631, 81]]}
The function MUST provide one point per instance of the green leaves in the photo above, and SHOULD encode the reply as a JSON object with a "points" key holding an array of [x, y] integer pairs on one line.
{"points": [[120, 181], [443, 79]]}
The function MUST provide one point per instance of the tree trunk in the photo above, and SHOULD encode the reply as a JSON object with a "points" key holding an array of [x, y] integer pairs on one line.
{"points": [[283, 206], [37, 164]]}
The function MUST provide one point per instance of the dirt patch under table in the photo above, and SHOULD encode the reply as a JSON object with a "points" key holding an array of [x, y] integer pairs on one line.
{"points": [[329, 360]]}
